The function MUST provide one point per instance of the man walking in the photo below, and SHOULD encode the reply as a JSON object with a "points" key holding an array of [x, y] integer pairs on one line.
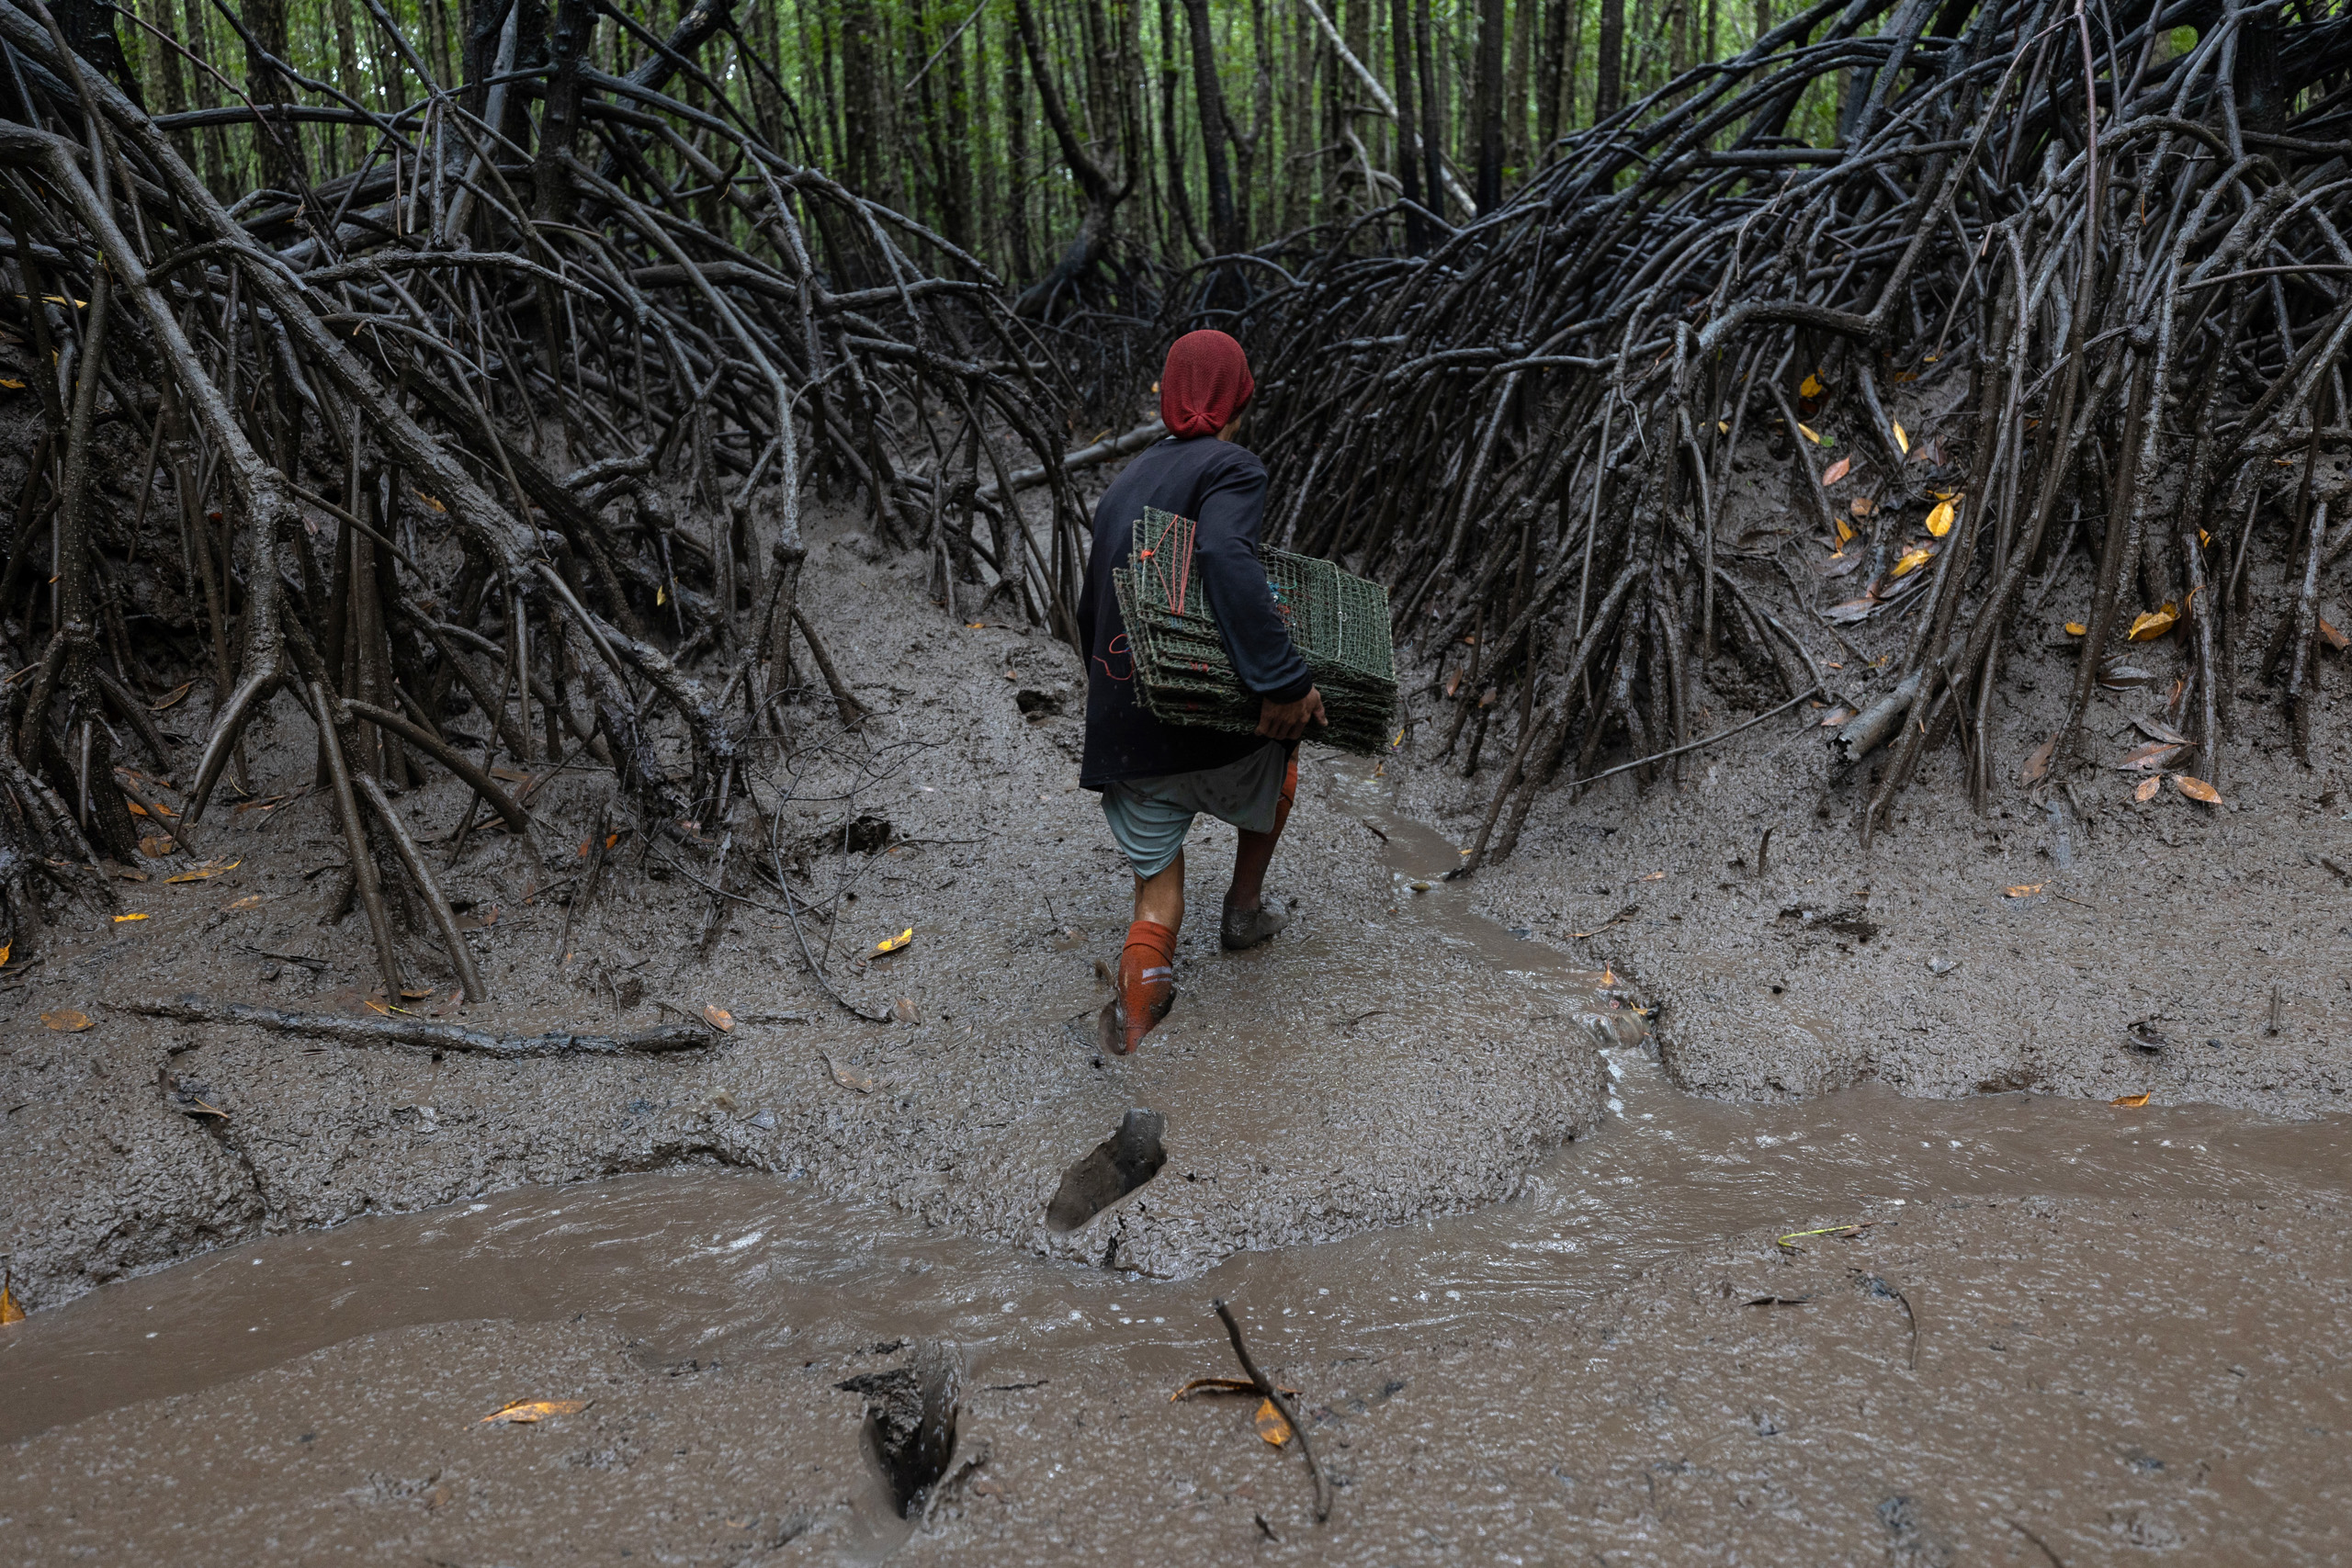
{"points": [[1156, 777]]}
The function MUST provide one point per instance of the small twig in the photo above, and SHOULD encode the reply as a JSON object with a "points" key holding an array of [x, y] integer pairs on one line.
{"points": [[2037, 1540], [315, 965], [1274, 1396]]}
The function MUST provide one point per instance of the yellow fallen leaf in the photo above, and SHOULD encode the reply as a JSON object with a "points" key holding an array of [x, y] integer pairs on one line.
{"points": [[892, 943], [1845, 534], [1837, 470], [65, 1020], [1270, 1425], [1809, 433], [1912, 561], [718, 1017], [9, 1311], [1902, 440], [2147, 790], [120, 918], [430, 502], [660, 597], [1723, 427], [1809, 387], [2077, 628], [5, 949], [2129, 1101], [1939, 520], [2197, 789], [250, 901], [2037, 764], [2150, 624], [525, 1411], [2023, 890], [210, 868], [13, 386]]}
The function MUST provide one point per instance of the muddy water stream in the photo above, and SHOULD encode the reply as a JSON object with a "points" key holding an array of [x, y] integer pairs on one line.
{"points": [[735, 1267]]}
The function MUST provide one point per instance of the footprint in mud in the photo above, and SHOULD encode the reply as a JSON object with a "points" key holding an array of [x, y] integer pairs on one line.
{"points": [[911, 1418], [1116, 1167]]}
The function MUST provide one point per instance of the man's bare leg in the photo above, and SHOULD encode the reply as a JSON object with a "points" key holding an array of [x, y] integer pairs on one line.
{"points": [[1144, 988], [1246, 921]]}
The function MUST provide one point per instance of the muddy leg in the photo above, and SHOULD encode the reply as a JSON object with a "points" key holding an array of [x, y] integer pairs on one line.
{"points": [[1246, 921], [1145, 986]]}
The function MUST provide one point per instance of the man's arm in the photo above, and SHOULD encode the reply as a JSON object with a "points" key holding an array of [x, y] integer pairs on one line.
{"points": [[1225, 554]]}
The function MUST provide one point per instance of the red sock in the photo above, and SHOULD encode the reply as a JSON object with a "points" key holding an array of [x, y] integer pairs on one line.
{"points": [[1146, 977]]}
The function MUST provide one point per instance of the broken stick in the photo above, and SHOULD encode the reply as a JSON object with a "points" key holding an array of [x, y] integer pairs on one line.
{"points": [[1273, 1396], [417, 1034]]}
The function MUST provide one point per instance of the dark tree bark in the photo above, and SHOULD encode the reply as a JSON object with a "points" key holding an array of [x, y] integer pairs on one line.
{"points": [[1408, 168], [1180, 196], [575, 21], [276, 141], [1016, 197], [1432, 109], [1225, 234], [1486, 104], [1608, 62]]}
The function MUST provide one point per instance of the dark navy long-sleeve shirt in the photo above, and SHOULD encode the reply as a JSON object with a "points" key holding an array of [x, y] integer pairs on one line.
{"points": [[1223, 489]]}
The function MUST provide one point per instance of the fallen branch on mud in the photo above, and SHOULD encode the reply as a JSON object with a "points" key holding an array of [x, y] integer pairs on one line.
{"points": [[1273, 1396], [423, 1035]]}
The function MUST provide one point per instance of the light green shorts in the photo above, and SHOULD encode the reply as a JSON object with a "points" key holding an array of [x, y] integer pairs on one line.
{"points": [[1149, 818]]}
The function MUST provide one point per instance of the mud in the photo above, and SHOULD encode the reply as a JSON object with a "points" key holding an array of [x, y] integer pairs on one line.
{"points": [[2036, 1321], [1450, 1170]]}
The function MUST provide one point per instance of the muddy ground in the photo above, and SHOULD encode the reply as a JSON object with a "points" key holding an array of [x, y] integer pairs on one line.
{"points": [[2094, 1374]]}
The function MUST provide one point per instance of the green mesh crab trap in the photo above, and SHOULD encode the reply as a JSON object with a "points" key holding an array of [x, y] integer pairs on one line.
{"points": [[1338, 622]]}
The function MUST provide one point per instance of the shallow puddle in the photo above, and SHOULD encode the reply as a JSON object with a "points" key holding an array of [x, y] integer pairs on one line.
{"points": [[734, 1267]]}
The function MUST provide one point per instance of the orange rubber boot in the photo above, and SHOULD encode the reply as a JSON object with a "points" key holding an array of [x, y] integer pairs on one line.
{"points": [[1146, 987]]}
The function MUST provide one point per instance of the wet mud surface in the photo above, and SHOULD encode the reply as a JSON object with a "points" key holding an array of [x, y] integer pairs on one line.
{"points": [[1449, 1170]]}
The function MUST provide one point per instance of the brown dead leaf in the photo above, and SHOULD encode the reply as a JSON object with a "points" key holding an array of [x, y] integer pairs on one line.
{"points": [[155, 846], [2197, 789], [169, 698], [1837, 717], [1837, 470], [1860, 506], [903, 1009], [2037, 763], [523, 1412], [2023, 890], [847, 1078], [9, 1311], [1270, 1425], [1851, 611], [206, 871], [2129, 1101], [2336, 639], [718, 1017], [66, 1021], [2147, 790]]}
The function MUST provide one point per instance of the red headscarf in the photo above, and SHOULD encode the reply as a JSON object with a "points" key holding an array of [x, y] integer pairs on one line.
{"points": [[1206, 385]]}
